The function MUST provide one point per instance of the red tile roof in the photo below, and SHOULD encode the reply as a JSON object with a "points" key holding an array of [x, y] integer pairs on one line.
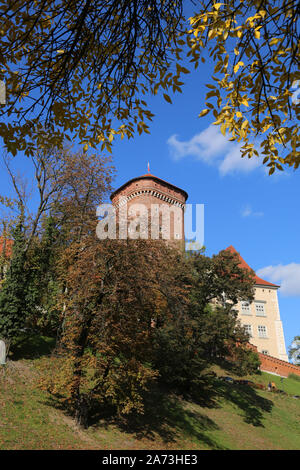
{"points": [[258, 280], [150, 176]]}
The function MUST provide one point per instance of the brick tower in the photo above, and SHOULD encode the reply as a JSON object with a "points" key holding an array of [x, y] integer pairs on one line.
{"points": [[154, 208]]}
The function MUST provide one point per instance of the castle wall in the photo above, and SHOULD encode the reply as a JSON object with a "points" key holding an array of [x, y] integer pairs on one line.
{"points": [[276, 366]]}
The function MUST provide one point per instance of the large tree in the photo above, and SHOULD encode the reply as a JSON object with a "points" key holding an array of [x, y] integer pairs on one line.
{"points": [[67, 184], [135, 311], [209, 330], [69, 188], [13, 306], [118, 292]]}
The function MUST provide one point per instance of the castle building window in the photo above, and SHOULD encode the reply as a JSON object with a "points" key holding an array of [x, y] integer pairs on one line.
{"points": [[264, 351], [246, 307], [248, 329], [260, 309], [262, 331]]}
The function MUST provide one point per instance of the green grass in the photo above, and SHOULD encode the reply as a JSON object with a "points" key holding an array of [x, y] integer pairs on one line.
{"points": [[288, 385], [231, 417]]}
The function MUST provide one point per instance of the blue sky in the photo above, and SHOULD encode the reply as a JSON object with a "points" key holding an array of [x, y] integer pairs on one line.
{"points": [[244, 207]]}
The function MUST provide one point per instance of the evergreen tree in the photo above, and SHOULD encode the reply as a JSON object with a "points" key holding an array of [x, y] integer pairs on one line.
{"points": [[13, 307], [42, 285]]}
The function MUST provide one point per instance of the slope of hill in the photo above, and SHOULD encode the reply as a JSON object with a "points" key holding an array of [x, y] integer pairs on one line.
{"points": [[237, 417]]}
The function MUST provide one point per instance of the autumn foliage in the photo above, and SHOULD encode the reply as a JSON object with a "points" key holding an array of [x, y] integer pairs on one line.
{"points": [[118, 292], [135, 313]]}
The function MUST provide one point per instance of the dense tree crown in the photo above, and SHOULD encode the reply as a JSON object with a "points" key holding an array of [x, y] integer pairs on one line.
{"points": [[14, 287], [136, 312]]}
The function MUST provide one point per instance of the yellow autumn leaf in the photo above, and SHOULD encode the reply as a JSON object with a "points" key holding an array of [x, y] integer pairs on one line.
{"points": [[237, 66], [244, 102], [257, 33], [223, 129], [204, 112], [274, 41]]}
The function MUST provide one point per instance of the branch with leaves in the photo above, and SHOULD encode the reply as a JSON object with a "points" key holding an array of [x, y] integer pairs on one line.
{"points": [[254, 45], [75, 69]]}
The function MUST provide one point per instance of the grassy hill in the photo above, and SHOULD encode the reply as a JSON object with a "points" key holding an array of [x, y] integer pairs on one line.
{"points": [[237, 417]]}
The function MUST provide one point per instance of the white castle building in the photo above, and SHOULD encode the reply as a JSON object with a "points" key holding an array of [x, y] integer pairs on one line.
{"points": [[261, 318]]}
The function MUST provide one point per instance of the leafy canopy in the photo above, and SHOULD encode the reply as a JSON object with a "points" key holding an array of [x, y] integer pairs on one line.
{"points": [[75, 69], [81, 70], [254, 45]]}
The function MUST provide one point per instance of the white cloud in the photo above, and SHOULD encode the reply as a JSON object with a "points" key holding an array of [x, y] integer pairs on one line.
{"points": [[233, 161], [248, 212], [211, 147], [288, 276]]}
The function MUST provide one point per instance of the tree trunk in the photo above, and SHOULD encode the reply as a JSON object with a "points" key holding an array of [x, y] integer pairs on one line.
{"points": [[82, 412]]}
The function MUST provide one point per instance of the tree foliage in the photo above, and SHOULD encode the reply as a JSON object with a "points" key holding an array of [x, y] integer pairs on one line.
{"points": [[68, 185], [42, 284], [13, 307], [83, 69], [219, 283], [254, 45], [128, 313], [69, 188], [112, 302], [74, 69], [206, 331]]}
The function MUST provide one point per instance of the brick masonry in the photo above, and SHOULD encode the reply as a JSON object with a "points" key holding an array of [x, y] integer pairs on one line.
{"points": [[153, 192], [276, 366]]}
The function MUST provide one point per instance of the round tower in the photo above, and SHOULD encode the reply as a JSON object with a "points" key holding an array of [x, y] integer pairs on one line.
{"points": [[158, 201]]}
